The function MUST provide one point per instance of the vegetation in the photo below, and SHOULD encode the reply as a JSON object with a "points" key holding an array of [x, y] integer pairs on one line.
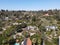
{"points": [[40, 19]]}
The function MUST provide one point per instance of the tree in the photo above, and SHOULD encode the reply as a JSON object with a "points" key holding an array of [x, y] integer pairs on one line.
{"points": [[34, 18], [1, 29], [50, 12], [2, 10]]}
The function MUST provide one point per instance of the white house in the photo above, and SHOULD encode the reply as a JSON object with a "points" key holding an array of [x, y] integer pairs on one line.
{"points": [[50, 27], [15, 23], [32, 28], [32, 34], [59, 40], [4, 28], [6, 18], [20, 34]]}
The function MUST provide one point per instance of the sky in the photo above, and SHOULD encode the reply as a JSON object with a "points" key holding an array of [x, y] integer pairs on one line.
{"points": [[29, 4]]}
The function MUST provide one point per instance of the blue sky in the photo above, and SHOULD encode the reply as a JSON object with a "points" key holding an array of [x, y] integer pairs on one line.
{"points": [[29, 4]]}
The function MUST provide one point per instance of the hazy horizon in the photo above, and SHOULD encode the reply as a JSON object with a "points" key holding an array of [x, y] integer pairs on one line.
{"points": [[28, 5]]}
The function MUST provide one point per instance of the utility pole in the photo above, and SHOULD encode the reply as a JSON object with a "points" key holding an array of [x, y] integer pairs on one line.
{"points": [[42, 39], [59, 40]]}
